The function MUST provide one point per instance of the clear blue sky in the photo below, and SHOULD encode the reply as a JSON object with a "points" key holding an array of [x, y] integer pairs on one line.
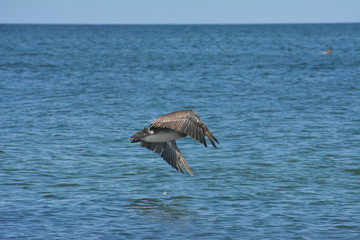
{"points": [[179, 11]]}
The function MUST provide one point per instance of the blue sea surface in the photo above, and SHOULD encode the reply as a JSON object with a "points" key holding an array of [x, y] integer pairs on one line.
{"points": [[287, 118]]}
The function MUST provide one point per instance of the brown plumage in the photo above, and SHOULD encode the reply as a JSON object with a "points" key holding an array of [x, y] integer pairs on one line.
{"points": [[185, 121], [163, 131]]}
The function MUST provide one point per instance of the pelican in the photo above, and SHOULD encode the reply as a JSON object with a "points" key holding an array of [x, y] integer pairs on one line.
{"points": [[163, 131], [329, 51]]}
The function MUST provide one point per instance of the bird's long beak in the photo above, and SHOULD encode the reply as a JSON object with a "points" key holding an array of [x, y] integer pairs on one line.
{"points": [[133, 140]]}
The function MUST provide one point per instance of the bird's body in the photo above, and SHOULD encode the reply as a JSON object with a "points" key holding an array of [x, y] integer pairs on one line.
{"points": [[329, 51], [163, 135], [163, 131]]}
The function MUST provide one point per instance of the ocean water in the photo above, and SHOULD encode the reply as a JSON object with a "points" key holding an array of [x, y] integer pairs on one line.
{"points": [[287, 118]]}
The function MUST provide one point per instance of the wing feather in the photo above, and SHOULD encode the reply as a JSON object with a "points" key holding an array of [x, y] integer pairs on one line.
{"points": [[188, 122], [170, 153], [156, 147]]}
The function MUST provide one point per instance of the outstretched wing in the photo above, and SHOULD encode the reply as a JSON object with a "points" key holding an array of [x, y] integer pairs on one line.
{"points": [[170, 153], [188, 122]]}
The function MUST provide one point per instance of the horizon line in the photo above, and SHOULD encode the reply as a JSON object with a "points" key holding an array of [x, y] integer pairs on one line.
{"points": [[274, 23]]}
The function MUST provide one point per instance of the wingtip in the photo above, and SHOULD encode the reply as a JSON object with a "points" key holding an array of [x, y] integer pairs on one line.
{"points": [[187, 167], [215, 139], [210, 137]]}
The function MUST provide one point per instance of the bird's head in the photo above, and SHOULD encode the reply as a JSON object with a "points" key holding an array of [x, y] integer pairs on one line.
{"points": [[139, 135]]}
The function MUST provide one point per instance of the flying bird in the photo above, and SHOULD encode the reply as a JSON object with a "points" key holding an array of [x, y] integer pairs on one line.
{"points": [[161, 135]]}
